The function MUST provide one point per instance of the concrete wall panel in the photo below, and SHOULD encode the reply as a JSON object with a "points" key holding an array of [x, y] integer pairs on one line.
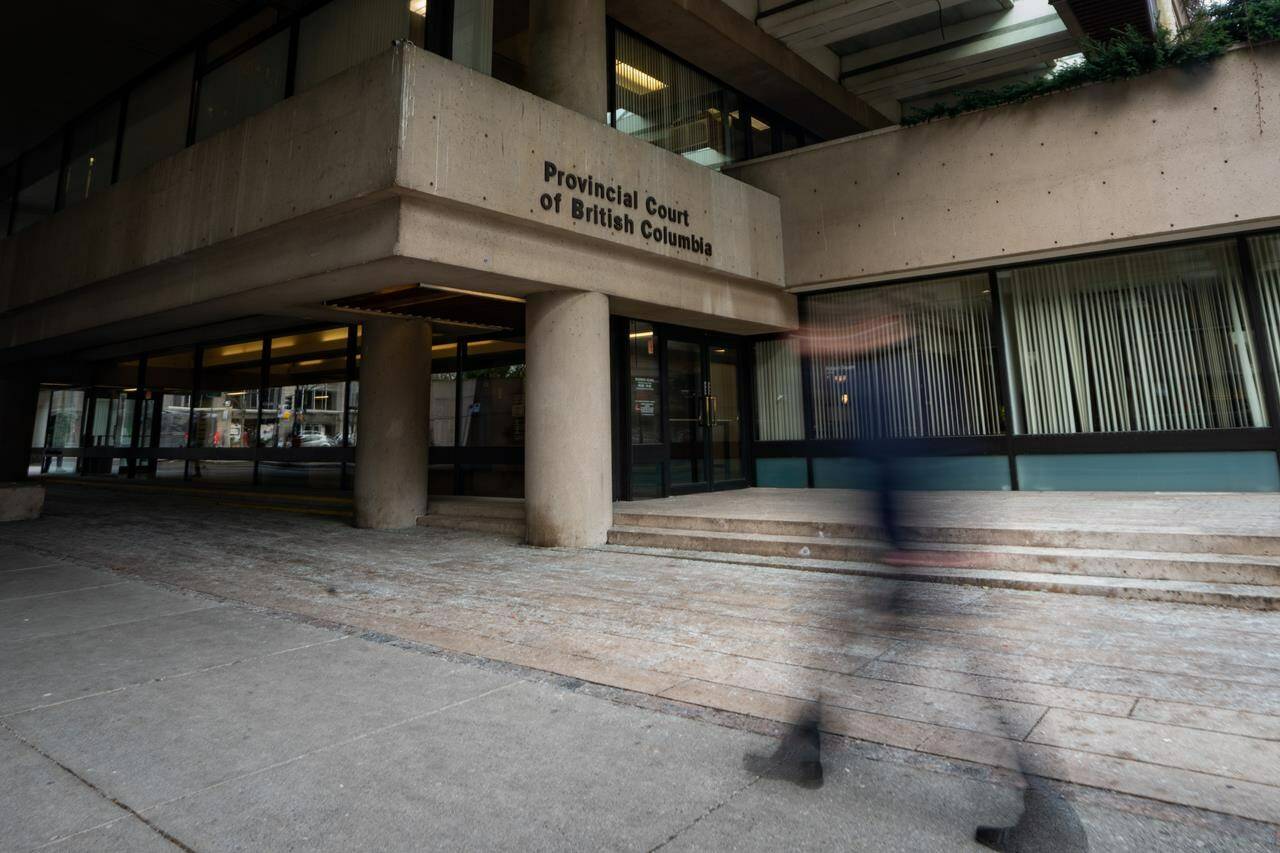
{"points": [[471, 139], [1167, 156]]}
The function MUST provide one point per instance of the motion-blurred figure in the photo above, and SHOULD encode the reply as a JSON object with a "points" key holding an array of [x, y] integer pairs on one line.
{"points": [[873, 347]]}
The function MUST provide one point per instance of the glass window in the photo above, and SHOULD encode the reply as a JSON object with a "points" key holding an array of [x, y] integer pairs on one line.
{"points": [[444, 415], [662, 100], [92, 154], [239, 35], [912, 360], [673, 105], [345, 33], [156, 116], [245, 85], [63, 423], [324, 341], [1138, 342], [646, 415], [473, 34], [38, 184], [493, 394], [1266, 265], [779, 396], [761, 137]]}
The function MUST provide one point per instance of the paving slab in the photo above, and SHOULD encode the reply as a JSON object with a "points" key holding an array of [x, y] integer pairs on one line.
{"points": [[41, 802], [127, 835], [529, 767], [1265, 726], [1206, 752], [43, 580], [52, 669], [80, 610], [13, 557], [152, 742]]}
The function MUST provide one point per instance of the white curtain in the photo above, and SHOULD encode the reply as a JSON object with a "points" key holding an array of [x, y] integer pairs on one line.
{"points": [[779, 398], [1141, 342]]}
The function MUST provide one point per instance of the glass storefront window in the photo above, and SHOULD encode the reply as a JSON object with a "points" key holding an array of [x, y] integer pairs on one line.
{"points": [[92, 155], [243, 86], [493, 394], [156, 117], [1266, 265], [779, 394], [1146, 341], [911, 360], [64, 419]]}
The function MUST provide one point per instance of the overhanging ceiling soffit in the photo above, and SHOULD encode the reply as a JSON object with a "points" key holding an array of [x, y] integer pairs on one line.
{"points": [[1100, 19], [713, 37], [969, 43]]}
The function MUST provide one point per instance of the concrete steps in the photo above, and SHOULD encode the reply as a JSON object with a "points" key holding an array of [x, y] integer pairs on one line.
{"points": [[504, 516], [1240, 596], [1043, 535], [1135, 565]]}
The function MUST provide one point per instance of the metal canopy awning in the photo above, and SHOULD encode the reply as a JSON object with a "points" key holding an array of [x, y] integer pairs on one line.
{"points": [[451, 310]]}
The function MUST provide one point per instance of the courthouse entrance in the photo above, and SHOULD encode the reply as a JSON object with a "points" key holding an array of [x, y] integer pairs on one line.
{"points": [[680, 419]]}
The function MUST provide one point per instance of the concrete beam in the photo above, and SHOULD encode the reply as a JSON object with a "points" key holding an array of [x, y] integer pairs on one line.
{"points": [[825, 22], [986, 48], [393, 155], [715, 38]]}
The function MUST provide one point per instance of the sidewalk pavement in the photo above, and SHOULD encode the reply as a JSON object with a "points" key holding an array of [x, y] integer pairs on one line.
{"points": [[325, 714]]}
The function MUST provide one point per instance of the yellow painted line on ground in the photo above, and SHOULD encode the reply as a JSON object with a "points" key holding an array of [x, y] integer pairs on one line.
{"points": [[305, 510]]}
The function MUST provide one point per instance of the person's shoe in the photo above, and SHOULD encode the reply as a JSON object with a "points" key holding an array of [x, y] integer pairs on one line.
{"points": [[798, 759], [1048, 824]]}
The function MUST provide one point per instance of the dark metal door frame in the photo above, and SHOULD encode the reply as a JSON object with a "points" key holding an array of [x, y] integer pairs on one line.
{"points": [[660, 453]]}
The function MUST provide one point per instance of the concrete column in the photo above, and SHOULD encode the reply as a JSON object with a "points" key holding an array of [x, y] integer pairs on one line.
{"points": [[568, 478], [18, 397], [567, 55], [393, 424]]}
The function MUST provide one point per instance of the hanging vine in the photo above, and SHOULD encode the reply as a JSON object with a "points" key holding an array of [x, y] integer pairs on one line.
{"points": [[1210, 32]]}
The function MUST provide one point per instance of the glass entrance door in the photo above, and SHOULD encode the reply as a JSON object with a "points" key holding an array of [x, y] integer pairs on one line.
{"points": [[704, 416]]}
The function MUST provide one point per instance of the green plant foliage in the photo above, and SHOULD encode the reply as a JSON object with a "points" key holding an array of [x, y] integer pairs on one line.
{"points": [[1128, 54]]}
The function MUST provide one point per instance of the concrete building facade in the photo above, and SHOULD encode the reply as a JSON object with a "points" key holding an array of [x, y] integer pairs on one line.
{"points": [[555, 250]]}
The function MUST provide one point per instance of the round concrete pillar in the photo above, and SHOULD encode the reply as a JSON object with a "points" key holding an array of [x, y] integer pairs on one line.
{"points": [[567, 55], [568, 478], [393, 423]]}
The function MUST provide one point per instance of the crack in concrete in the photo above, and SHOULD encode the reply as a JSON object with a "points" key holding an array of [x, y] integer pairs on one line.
{"points": [[706, 814], [120, 804]]}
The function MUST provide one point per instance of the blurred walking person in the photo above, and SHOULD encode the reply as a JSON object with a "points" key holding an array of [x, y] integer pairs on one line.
{"points": [[876, 352]]}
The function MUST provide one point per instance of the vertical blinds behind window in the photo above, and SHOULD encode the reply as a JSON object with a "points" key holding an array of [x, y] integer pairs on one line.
{"points": [[1141, 342], [938, 380], [1266, 263]]}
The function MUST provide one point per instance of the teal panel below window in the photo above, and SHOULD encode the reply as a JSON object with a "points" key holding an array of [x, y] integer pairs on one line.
{"points": [[782, 473], [940, 473], [1242, 471]]}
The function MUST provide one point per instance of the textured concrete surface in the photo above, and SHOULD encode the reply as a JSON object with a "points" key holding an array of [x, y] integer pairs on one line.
{"points": [[21, 501], [568, 476], [604, 700], [394, 423], [1169, 155]]}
